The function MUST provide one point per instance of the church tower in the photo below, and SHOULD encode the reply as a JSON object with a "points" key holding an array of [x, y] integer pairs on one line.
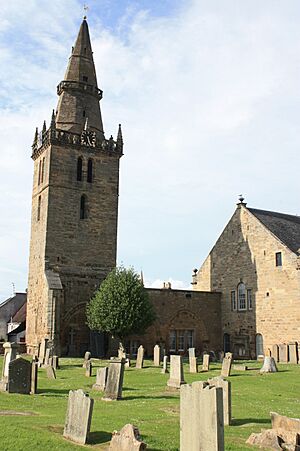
{"points": [[74, 209]]}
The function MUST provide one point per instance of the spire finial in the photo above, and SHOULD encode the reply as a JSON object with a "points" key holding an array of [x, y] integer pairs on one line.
{"points": [[85, 8], [44, 127], [35, 137], [53, 125], [241, 200]]}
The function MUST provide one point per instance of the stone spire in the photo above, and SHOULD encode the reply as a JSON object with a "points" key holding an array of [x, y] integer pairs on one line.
{"points": [[79, 95]]}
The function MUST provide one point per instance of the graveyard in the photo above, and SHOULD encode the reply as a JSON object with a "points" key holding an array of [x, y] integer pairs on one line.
{"points": [[37, 421]]}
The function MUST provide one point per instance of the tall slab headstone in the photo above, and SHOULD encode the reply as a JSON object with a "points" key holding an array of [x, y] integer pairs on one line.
{"points": [[47, 356], [226, 390], [114, 382], [87, 357], [226, 365], [293, 352], [55, 362], [205, 365], [101, 378], [140, 357], [10, 353], [88, 368], [275, 353], [201, 418], [176, 372], [34, 377], [156, 355], [283, 353], [42, 350], [193, 365], [78, 417], [192, 352], [50, 372], [19, 376], [165, 365]]}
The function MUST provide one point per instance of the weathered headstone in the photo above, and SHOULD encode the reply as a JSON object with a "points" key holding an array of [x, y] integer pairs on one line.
{"points": [[201, 418], [140, 357], [275, 353], [156, 354], [34, 377], [10, 353], [205, 365], [55, 362], [226, 389], [87, 357], [121, 352], [101, 378], [50, 372], [42, 350], [293, 352], [165, 365], [128, 439], [269, 366], [240, 367], [193, 365], [78, 417], [19, 376], [47, 357], [114, 382], [283, 353], [88, 368], [176, 372], [127, 362], [226, 365], [192, 352]]}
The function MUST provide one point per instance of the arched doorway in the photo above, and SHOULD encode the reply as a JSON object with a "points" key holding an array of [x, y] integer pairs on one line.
{"points": [[226, 342], [259, 341]]}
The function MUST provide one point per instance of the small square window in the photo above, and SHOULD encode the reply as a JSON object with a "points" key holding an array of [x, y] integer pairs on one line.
{"points": [[278, 259], [84, 78]]}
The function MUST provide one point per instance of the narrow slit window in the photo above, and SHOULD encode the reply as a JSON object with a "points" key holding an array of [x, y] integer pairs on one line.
{"points": [[278, 259], [43, 170], [233, 300], [241, 296], [40, 169], [79, 169], [85, 78], [83, 207], [90, 171], [249, 298], [39, 209]]}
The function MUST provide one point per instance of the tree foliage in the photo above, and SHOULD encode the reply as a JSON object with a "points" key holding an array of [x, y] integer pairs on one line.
{"points": [[121, 305]]}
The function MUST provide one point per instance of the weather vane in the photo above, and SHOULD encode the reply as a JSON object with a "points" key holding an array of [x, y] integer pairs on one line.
{"points": [[86, 8]]}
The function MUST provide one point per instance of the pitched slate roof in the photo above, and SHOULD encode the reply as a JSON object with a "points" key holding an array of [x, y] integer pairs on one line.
{"points": [[20, 315], [285, 227]]}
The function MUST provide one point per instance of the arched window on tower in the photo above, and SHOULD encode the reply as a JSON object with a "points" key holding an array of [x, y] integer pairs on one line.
{"points": [[79, 169], [83, 207], [241, 289], [90, 171], [259, 342]]}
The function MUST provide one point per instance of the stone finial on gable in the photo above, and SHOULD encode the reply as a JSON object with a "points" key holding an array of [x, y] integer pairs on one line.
{"points": [[241, 201]]}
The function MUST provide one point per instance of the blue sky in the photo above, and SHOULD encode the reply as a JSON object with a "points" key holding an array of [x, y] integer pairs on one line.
{"points": [[208, 94]]}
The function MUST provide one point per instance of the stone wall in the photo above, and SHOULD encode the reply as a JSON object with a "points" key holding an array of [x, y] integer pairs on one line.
{"points": [[183, 310], [245, 252]]}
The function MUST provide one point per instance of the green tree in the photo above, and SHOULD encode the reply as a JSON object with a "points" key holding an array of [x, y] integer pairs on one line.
{"points": [[121, 305]]}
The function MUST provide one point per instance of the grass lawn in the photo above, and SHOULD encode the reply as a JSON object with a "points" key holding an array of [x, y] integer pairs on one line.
{"points": [[147, 404]]}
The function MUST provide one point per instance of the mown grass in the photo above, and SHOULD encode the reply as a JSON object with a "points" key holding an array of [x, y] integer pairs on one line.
{"points": [[147, 404]]}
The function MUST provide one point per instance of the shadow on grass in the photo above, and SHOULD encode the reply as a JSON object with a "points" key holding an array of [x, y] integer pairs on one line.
{"points": [[95, 438], [53, 391], [128, 398], [129, 389], [242, 421]]}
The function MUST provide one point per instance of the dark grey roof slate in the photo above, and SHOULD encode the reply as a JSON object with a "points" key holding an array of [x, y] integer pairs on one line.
{"points": [[285, 227]]}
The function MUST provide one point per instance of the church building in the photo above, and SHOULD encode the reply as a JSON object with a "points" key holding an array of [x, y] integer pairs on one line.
{"points": [[255, 266]]}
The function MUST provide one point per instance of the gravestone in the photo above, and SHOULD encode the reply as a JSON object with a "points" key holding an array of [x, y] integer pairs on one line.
{"points": [[226, 365], [50, 372], [226, 390], [88, 369], [10, 353], [293, 352], [205, 365], [156, 353], [269, 365], [55, 362], [165, 365], [101, 378], [176, 372], [127, 362], [193, 365], [87, 357], [114, 381], [34, 377], [121, 352], [19, 376], [283, 353], [140, 357], [42, 350], [128, 439], [275, 353], [201, 417], [192, 352], [78, 417], [47, 357]]}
